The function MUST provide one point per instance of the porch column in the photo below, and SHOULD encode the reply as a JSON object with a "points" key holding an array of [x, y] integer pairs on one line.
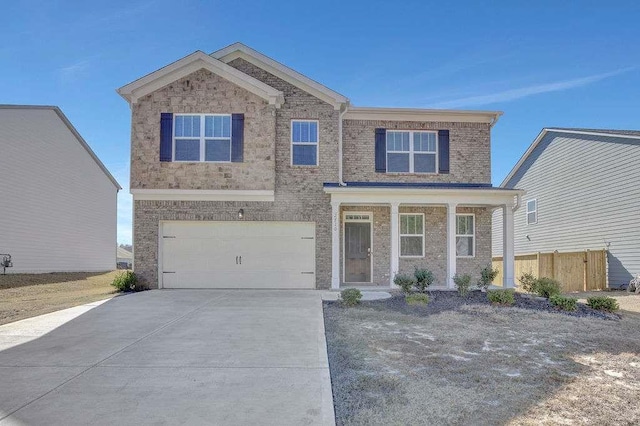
{"points": [[451, 244], [508, 266], [395, 237], [335, 245]]}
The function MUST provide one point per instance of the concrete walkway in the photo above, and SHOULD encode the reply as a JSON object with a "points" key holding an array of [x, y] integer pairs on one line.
{"points": [[224, 357]]}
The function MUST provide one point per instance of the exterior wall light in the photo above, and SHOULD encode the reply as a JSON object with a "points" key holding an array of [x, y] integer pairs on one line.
{"points": [[241, 214]]}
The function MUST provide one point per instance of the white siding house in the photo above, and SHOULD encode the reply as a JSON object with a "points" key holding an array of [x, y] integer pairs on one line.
{"points": [[58, 201], [582, 192]]}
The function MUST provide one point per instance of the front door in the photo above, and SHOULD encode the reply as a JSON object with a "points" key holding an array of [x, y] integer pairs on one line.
{"points": [[357, 241]]}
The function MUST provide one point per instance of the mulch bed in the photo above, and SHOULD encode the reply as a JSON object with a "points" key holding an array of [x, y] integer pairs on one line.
{"points": [[440, 301]]}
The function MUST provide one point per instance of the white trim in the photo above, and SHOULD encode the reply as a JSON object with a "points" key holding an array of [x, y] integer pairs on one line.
{"points": [[543, 133], [335, 246], [394, 264], [202, 138], [412, 152], [508, 264], [417, 196], [190, 64], [400, 235], [344, 245], [239, 50], [527, 211], [202, 195], [416, 114], [452, 259], [473, 236], [316, 144]]}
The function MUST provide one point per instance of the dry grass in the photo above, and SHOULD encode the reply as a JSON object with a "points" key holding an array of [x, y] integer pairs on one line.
{"points": [[629, 302], [27, 295], [482, 365]]}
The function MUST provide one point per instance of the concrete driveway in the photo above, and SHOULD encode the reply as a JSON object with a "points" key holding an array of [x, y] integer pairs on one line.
{"points": [[224, 357]]}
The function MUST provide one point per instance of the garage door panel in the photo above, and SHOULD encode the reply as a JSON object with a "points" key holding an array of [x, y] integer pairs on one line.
{"points": [[238, 255]]}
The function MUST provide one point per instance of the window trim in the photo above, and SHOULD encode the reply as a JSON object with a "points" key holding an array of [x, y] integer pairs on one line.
{"points": [[316, 144], [411, 152], [473, 236], [400, 235], [527, 211], [202, 137]]}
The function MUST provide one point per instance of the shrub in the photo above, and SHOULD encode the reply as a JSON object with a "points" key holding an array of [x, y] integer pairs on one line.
{"points": [[528, 282], [417, 299], [501, 297], [603, 303], [563, 302], [547, 287], [126, 281], [487, 274], [424, 278], [351, 296], [463, 283], [405, 282]]}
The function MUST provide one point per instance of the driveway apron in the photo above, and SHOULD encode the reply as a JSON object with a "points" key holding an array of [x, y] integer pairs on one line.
{"points": [[224, 357]]}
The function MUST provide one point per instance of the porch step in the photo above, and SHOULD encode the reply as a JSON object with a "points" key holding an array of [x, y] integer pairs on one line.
{"points": [[366, 294]]}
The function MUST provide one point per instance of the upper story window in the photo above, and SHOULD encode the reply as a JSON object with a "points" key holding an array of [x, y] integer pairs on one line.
{"points": [[411, 235], [202, 137], [412, 152], [532, 212], [304, 142], [465, 235]]}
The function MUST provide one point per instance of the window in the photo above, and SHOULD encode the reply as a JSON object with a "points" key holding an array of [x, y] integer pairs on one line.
{"points": [[304, 143], [532, 212], [465, 235], [411, 235], [411, 152], [202, 137]]}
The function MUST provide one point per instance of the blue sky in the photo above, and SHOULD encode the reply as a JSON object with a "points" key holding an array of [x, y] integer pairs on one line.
{"points": [[544, 63]]}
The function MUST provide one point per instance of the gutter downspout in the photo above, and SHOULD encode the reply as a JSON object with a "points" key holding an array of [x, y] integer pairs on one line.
{"points": [[342, 114]]}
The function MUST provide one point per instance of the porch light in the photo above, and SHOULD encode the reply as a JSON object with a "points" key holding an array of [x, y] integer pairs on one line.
{"points": [[241, 214]]}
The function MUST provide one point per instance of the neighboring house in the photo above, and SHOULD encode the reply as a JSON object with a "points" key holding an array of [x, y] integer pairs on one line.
{"points": [[582, 193], [246, 173], [58, 209], [124, 258]]}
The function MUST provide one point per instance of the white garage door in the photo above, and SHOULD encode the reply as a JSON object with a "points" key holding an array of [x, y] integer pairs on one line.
{"points": [[238, 255]]}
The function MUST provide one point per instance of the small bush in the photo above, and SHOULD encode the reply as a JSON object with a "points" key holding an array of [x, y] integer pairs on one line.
{"points": [[463, 283], [547, 287], [501, 297], [417, 299], [126, 281], [487, 275], [529, 283], [603, 303], [405, 282], [424, 278], [351, 296], [563, 302]]}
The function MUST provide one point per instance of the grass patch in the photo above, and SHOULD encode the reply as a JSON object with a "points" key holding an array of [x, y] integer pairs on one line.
{"points": [[417, 299]]}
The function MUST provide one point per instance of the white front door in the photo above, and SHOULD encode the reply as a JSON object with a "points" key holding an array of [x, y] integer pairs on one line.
{"points": [[237, 254]]}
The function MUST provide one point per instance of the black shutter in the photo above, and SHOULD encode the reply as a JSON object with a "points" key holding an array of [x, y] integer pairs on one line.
{"points": [[381, 150], [443, 151], [237, 138], [166, 135]]}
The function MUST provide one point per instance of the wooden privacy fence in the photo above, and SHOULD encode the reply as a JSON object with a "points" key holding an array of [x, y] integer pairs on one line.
{"points": [[576, 271]]}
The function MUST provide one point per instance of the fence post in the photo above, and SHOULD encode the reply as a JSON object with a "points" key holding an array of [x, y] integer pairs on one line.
{"points": [[538, 263], [554, 264], [585, 270]]}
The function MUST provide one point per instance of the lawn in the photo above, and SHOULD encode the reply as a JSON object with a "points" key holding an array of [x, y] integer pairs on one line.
{"points": [[477, 364], [27, 295]]}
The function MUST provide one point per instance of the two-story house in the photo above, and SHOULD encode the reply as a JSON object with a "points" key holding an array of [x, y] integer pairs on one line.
{"points": [[248, 174]]}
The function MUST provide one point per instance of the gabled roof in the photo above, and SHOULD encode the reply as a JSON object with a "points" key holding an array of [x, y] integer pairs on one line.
{"points": [[123, 253], [239, 50], [194, 62], [73, 130], [630, 134]]}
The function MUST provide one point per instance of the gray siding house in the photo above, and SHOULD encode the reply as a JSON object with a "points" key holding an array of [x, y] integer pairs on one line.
{"points": [[582, 192], [59, 202]]}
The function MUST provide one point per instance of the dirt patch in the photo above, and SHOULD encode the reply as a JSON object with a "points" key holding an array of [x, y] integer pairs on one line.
{"points": [[478, 364], [27, 295]]}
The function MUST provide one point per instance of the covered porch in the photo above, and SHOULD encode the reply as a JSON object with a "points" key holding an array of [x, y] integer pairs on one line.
{"points": [[380, 230]]}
